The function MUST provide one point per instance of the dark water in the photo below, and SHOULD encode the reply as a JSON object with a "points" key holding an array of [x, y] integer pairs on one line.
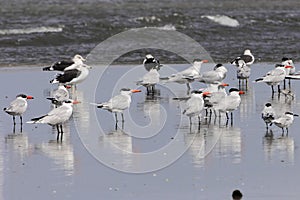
{"points": [[40, 32]]}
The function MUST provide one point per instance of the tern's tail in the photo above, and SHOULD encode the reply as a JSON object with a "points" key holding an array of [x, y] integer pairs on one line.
{"points": [[50, 68], [258, 80], [35, 120]]}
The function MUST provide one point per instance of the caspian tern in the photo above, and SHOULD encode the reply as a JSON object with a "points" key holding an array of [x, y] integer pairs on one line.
{"points": [[195, 105], [57, 117], [218, 74], [268, 114], [65, 65], [188, 75], [18, 106], [274, 77], [285, 121], [217, 95], [150, 62], [247, 57], [229, 103], [60, 95], [150, 79], [288, 62], [289, 71], [118, 103]]}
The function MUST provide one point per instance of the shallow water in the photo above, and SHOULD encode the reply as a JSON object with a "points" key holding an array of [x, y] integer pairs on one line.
{"points": [[156, 155]]}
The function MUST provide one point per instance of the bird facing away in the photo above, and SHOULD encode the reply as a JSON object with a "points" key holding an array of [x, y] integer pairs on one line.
{"points": [[60, 95], [188, 75], [150, 62], [18, 106], [118, 103], [66, 64], [285, 121], [218, 74], [57, 117], [247, 57], [150, 79], [268, 114], [195, 105], [243, 71]]}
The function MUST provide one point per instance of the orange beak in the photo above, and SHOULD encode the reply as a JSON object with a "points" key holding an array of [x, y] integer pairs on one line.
{"points": [[241, 92], [68, 86], [224, 84], [76, 102], [29, 97], [205, 61], [206, 93], [135, 91], [288, 66]]}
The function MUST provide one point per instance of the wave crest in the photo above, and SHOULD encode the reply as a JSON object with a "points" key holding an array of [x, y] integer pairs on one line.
{"points": [[41, 29], [222, 20]]}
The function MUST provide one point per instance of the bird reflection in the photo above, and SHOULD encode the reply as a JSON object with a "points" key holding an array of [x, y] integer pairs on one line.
{"points": [[281, 147], [61, 152], [230, 144], [196, 140], [19, 143]]}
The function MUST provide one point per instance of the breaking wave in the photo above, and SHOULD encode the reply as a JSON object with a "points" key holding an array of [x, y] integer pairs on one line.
{"points": [[41, 29], [222, 20]]}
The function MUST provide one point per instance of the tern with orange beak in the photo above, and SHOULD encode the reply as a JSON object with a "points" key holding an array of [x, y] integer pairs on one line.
{"points": [[216, 75], [17, 107], [118, 103], [274, 77], [57, 117], [230, 103], [188, 75], [195, 105]]}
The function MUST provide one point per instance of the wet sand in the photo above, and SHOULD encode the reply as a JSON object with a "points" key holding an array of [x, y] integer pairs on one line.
{"points": [[156, 155]]}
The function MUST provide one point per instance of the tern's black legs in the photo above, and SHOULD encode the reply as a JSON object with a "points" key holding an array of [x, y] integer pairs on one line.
{"points": [[14, 124], [116, 117], [14, 120], [60, 132]]}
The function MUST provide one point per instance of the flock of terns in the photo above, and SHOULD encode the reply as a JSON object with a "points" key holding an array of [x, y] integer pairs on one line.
{"points": [[213, 99]]}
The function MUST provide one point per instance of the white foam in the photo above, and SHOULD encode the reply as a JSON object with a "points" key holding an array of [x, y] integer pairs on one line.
{"points": [[222, 20], [41, 29], [148, 19], [168, 27]]}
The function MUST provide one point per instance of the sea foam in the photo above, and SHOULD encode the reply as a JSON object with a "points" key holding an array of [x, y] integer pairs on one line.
{"points": [[222, 20], [41, 29]]}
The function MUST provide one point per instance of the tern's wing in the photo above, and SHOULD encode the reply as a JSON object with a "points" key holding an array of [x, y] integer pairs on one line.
{"points": [[276, 72], [16, 105], [119, 102]]}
